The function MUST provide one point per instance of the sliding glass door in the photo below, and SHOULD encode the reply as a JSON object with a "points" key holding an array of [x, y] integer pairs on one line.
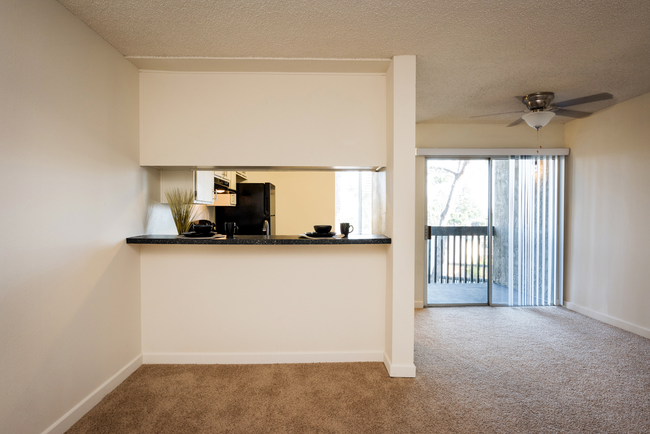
{"points": [[494, 231], [457, 219]]}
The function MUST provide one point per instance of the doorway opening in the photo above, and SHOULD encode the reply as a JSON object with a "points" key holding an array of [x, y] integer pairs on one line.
{"points": [[494, 231]]}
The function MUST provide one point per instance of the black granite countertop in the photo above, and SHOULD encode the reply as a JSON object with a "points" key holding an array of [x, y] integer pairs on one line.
{"points": [[258, 240]]}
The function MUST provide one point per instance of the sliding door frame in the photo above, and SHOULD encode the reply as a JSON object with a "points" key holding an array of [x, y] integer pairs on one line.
{"points": [[490, 155], [559, 294]]}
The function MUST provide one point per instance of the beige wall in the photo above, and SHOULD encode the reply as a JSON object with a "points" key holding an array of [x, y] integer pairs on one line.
{"points": [[488, 136], [467, 136], [262, 119], [72, 191], [608, 206], [302, 199]]}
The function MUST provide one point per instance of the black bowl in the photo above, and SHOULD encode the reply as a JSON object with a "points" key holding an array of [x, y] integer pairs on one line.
{"points": [[202, 229], [322, 229]]}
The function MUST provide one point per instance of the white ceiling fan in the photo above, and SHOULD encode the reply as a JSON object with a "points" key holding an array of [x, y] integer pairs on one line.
{"points": [[541, 109]]}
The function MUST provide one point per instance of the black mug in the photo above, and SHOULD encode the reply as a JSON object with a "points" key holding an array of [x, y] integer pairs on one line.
{"points": [[230, 228], [346, 228]]}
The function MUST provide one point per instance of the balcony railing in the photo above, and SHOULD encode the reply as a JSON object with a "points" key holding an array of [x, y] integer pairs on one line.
{"points": [[458, 254]]}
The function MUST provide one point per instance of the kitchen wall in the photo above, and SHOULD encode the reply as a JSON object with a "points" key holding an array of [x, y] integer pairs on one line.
{"points": [[607, 209], [302, 199], [293, 120], [467, 136], [262, 119], [72, 191]]}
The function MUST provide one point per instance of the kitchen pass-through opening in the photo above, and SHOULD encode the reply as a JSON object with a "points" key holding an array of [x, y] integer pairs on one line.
{"points": [[360, 199], [493, 231]]}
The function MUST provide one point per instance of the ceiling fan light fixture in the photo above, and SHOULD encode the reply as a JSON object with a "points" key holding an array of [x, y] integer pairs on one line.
{"points": [[538, 119]]}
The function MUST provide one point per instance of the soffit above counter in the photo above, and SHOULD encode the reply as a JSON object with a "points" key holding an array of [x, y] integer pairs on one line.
{"points": [[307, 120], [278, 65]]}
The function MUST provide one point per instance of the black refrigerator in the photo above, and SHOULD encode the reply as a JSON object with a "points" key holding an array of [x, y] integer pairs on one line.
{"points": [[254, 212]]}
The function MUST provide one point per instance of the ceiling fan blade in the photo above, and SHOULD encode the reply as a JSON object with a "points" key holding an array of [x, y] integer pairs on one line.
{"points": [[585, 99], [517, 122], [496, 114], [571, 113]]}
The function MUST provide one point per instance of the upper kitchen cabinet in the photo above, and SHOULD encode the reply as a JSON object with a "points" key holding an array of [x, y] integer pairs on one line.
{"points": [[221, 174], [241, 176], [230, 177], [263, 119], [200, 182]]}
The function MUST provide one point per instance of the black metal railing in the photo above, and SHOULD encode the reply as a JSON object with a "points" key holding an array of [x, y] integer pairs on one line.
{"points": [[458, 254]]}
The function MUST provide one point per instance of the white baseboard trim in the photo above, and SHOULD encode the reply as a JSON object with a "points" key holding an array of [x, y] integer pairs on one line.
{"points": [[407, 371], [257, 358], [641, 331], [419, 304], [77, 412]]}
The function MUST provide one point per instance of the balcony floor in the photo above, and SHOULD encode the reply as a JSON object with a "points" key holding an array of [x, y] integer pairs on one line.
{"points": [[466, 293]]}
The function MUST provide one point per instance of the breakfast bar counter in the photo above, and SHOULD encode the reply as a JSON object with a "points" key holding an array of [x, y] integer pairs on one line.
{"points": [[258, 240], [281, 299]]}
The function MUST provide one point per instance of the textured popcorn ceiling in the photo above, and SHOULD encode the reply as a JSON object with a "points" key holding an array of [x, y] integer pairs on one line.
{"points": [[474, 56]]}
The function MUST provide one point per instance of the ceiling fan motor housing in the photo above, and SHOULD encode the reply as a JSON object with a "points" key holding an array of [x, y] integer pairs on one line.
{"points": [[538, 100]]}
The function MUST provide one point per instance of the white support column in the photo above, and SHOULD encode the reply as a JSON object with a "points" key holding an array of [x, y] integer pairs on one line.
{"points": [[400, 216]]}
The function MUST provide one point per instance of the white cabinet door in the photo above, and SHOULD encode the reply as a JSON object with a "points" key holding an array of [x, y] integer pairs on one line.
{"points": [[201, 183], [203, 186]]}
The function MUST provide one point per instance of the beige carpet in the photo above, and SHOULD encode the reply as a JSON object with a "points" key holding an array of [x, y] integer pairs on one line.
{"points": [[480, 370]]}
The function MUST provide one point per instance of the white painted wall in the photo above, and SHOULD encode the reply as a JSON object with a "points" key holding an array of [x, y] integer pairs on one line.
{"points": [[72, 191], [467, 136], [262, 119], [262, 304], [400, 215], [608, 204], [302, 199]]}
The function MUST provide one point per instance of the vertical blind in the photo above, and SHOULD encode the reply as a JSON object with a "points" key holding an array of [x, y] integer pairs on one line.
{"points": [[533, 230]]}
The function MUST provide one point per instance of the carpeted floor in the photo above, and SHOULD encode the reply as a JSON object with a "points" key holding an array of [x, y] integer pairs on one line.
{"points": [[480, 370]]}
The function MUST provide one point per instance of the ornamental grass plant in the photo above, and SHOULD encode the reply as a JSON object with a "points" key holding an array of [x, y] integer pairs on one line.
{"points": [[181, 204]]}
